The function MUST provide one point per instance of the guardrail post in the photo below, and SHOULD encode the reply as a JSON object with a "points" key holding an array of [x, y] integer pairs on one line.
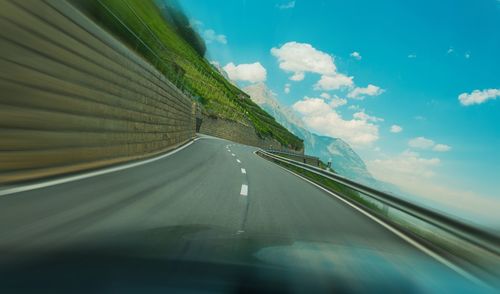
{"points": [[385, 209]]}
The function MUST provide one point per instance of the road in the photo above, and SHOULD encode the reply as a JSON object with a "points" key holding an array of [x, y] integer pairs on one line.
{"points": [[225, 187]]}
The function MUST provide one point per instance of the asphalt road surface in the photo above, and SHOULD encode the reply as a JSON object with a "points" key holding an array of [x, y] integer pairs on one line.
{"points": [[206, 199]]}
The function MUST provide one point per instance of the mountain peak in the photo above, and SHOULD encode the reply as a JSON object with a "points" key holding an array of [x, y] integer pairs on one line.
{"points": [[344, 159], [261, 94]]}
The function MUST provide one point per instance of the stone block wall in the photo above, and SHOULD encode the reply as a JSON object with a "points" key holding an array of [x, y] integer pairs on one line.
{"points": [[72, 97], [236, 132]]}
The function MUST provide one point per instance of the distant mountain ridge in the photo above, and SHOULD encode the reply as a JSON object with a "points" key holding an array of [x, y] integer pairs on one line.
{"points": [[345, 161]]}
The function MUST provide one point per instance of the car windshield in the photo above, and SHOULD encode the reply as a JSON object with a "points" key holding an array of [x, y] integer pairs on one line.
{"points": [[249, 146]]}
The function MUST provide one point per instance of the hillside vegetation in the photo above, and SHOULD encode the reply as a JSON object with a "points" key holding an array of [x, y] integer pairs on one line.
{"points": [[147, 29]]}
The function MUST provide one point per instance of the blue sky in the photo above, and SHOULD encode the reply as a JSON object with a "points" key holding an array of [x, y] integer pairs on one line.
{"points": [[419, 57]]}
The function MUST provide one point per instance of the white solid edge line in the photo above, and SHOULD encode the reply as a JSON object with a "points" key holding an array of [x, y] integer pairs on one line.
{"points": [[244, 190], [90, 174], [397, 233], [243, 171]]}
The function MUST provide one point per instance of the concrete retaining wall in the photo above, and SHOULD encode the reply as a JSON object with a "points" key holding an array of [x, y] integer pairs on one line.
{"points": [[236, 132], [72, 97]]}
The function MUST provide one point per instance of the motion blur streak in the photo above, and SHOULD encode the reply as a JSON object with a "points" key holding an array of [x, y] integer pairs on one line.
{"points": [[73, 97], [194, 212], [108, 185]]}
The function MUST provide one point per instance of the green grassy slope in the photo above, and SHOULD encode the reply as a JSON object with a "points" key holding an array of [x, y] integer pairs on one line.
{"points": [[140, 25]]}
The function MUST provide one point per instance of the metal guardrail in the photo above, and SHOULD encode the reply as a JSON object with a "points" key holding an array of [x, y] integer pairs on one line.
{"points": [[297, 155], [477, 236], [290, 153]]}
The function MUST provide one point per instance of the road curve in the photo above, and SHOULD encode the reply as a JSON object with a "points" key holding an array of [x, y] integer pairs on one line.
{"points": [[214, 183]]}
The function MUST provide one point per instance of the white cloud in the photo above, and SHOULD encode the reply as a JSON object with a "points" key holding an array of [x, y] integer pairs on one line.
{"points": [[287, 5], [325, 95], [406, 170], [253, 72], [299, 58], [287, 88], [353, 107], [407, 163], [337, 102], [311, 106], [195, 23], [361, 115], [211, 36], [424, 143], [322, 118], [333, 82], [298, 76], [370, 90], [441, 148], [421, 143], [396, 129], [411, 56], [356, 55], [478, 97], [418, 176]]}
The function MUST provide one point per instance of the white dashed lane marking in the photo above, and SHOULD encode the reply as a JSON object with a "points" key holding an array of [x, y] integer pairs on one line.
{"points": [[243, 171], [238, 160], [232, 154], [244, 190]]}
